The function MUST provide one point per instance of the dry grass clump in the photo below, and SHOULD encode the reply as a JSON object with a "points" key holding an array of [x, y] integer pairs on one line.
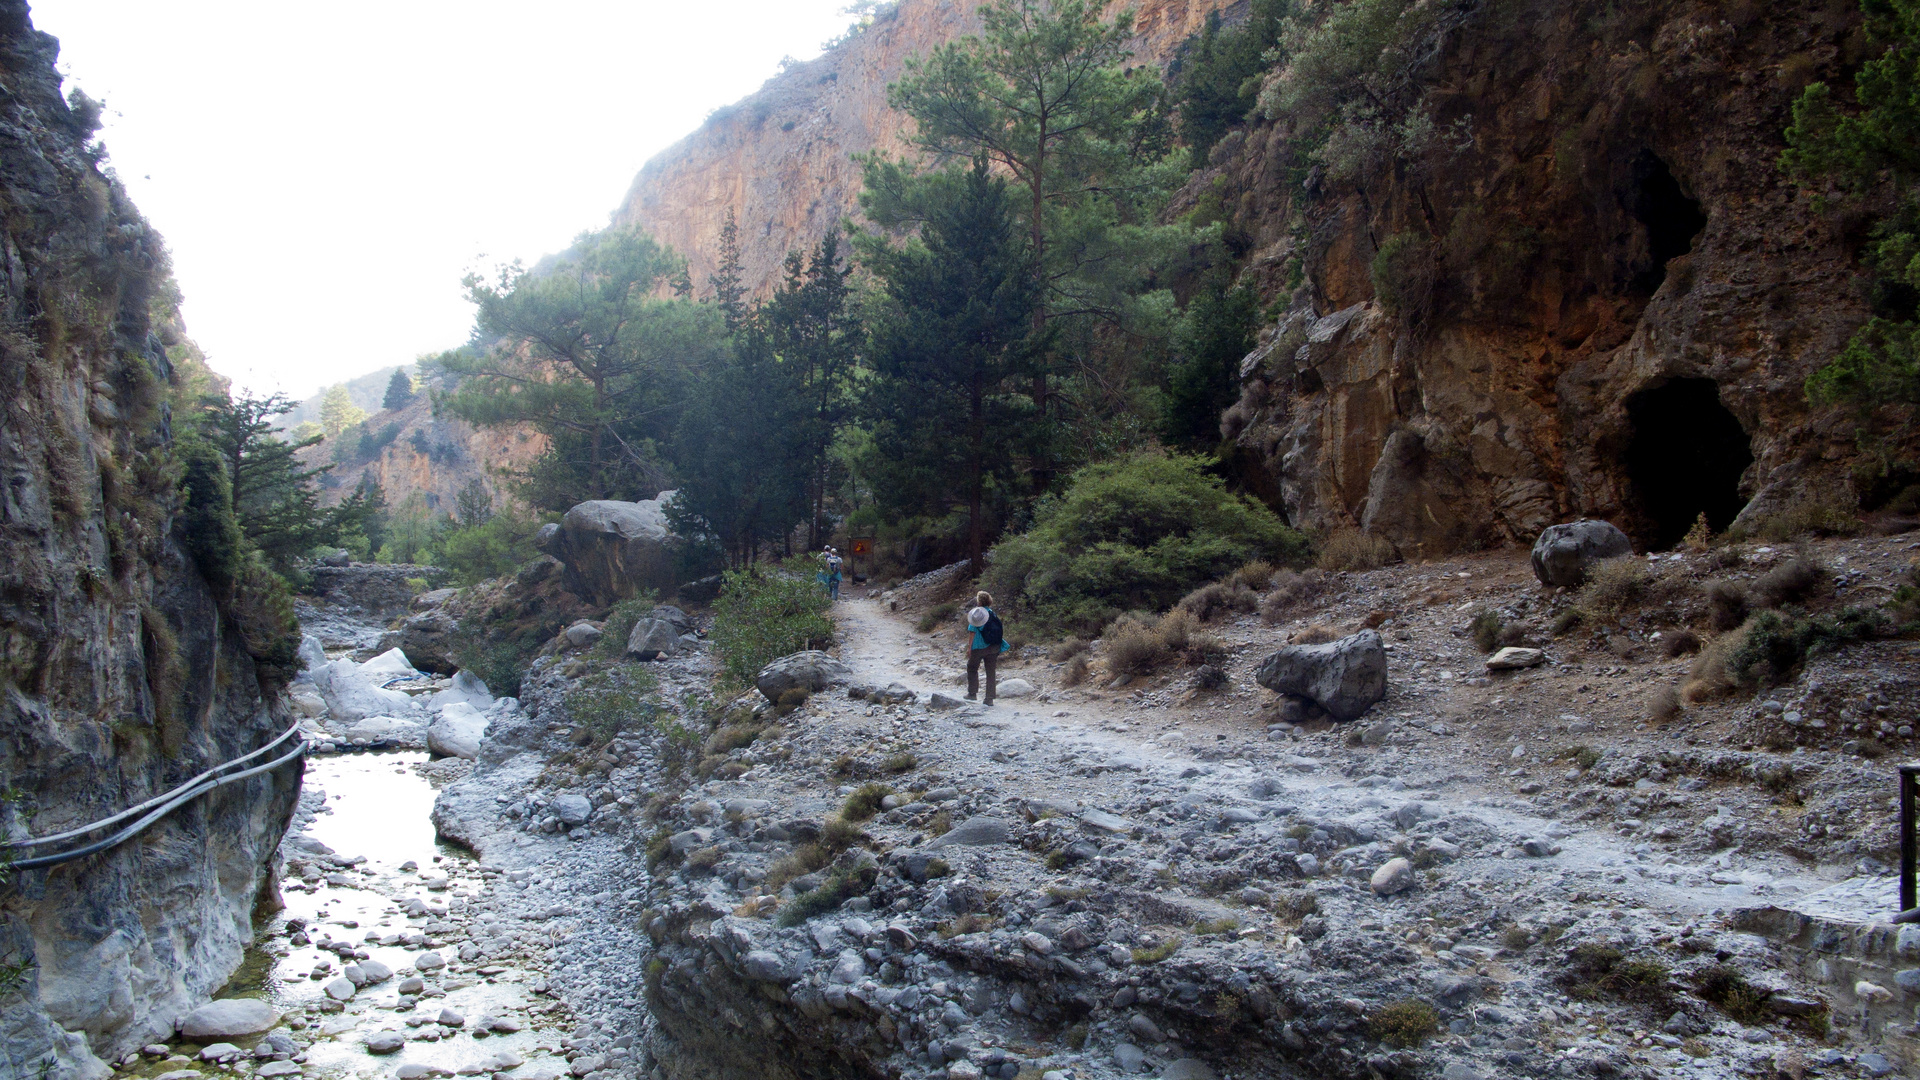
{"points": [[1711, 676], [1068, 649], [1289, 590], [1405, 1023], [1613, 586], [1209, 602], [1077, 671], [1663, 704], [1792, 582], [1681, 643], [1351, 549], [1810, 518], [1314, 634], [1133, 648], [1256, 575], [864, 802], [1726, 604]]}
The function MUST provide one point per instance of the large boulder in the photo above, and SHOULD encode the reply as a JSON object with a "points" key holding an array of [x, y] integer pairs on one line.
{"points": [[353, 693], [659, 633], [811, 670], [1344, 677], [427, 641], [230, 1018], [466, 688], [456, 732], [613, 550], [1563, 552]]}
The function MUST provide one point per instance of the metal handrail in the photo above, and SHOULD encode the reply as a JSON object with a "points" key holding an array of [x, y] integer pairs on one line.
{"points": [[165, 803], [155, 801]]}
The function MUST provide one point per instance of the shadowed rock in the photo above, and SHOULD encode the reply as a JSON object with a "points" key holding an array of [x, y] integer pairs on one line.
{"points": [[1344, 677]]}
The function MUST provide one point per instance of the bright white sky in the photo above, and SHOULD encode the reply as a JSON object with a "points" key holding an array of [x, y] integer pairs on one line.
{"points": [[325, 172]]}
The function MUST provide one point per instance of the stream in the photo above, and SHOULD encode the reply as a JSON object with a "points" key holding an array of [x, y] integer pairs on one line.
{"points": [[388, 893]]}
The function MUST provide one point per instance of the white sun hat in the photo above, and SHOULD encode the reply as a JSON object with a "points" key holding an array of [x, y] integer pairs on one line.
{"points": [[977, 618]]}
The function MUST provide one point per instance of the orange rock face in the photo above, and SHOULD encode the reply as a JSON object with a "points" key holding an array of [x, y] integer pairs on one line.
{"points": [[781, 160]]}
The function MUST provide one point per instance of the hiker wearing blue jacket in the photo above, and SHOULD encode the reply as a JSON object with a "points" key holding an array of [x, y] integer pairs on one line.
{"points": [[989, 641]]}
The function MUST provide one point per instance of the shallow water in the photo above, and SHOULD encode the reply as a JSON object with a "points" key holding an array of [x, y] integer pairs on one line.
{"points": [[378, 807]]}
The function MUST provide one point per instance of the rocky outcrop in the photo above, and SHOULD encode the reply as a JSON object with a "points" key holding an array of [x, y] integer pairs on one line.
{"points": [[614, 550], [375, 591], [1608, 297], [781, 160], [122, 677], [810, 671]]}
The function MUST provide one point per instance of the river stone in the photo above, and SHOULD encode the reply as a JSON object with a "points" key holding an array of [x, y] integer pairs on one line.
{"points": [[1014, 688], [392, 664], [229, 1019], [582, 634], [979, 831], [572, 809], [375, 971], [1344, 677], [341, 989], [385, 1042], [1514, 658], [1129, 1058], [412, 1070], [456, 732], [216, 1051], [277, 1068], [1187, 1069], [943, 701], [811, 670], [429, 961], [1396, 876], [1563, 552]]}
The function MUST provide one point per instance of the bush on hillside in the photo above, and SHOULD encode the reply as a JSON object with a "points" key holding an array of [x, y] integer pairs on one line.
{"points": [[1133, 534], [496, 547], [1351, 549], [764, 614]]}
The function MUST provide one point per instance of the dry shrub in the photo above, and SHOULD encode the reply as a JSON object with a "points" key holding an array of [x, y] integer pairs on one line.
{"points": [[1068, 649], [1485, 630], [1806, 519], [1290, 590], [1712, 674], [1351, 549], [1514, 634], [1792, 582], [1681, 643], [1613, 586], [1076, 672], [1663, 704], [864, 802], [1209, 602], [1256, 575], [1133, 648], [1315, 634], [1726, 604], [1206, 650]]}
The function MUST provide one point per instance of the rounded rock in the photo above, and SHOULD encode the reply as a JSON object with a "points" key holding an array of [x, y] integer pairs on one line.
{"points": [[1396, 876]]}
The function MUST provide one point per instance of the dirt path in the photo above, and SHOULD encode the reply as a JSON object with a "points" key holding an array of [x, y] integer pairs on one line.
{"points": [[1211, 752]]}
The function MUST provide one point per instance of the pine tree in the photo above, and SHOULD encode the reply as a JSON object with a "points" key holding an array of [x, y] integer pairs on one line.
{"points": [[948, 419], [399, 391], [337, 410], [815, 335]]}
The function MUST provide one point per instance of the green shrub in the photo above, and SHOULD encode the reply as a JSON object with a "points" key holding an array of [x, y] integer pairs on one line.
{"points": [[497, 661], [762, 615], [1153, 954], [620, 622], [1730, 990], [1132, 534], [491, 549], [1406, 1023], [1402, 272], [1773, 645], [612, 702], [1594, 970], [865, 802], [842, 886]]}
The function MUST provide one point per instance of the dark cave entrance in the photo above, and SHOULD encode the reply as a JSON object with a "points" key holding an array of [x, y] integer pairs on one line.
{"points": [[1685, 457], [1672, 219]]}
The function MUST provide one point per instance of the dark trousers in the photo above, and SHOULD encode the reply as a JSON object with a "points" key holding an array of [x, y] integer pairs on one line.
{"points": [[992, 656]]}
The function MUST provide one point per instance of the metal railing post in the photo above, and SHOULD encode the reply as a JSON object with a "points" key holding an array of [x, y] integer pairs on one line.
{"points": [[1909, 894]]}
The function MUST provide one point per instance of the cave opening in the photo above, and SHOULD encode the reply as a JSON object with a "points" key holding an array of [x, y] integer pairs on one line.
{"points": [[1685, 457], [1672, 219]]}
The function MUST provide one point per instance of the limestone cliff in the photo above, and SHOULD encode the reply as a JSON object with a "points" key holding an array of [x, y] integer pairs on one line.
{"points": [[1608, 296], [780, 160], [122, 677]]}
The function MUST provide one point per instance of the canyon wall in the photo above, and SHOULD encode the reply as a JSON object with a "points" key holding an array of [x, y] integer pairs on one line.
{"points": [[781, 160], [429, 459], [122, 675], [1606, 296]]}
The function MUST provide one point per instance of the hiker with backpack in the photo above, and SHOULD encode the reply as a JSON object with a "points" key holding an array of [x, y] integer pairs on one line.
{"points": [[831, 579], [989, 641]]}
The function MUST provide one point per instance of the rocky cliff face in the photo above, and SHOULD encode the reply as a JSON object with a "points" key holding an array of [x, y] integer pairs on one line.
{"points": [[121, 676], [1607, 299], [429, 457], [781, 160]]}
